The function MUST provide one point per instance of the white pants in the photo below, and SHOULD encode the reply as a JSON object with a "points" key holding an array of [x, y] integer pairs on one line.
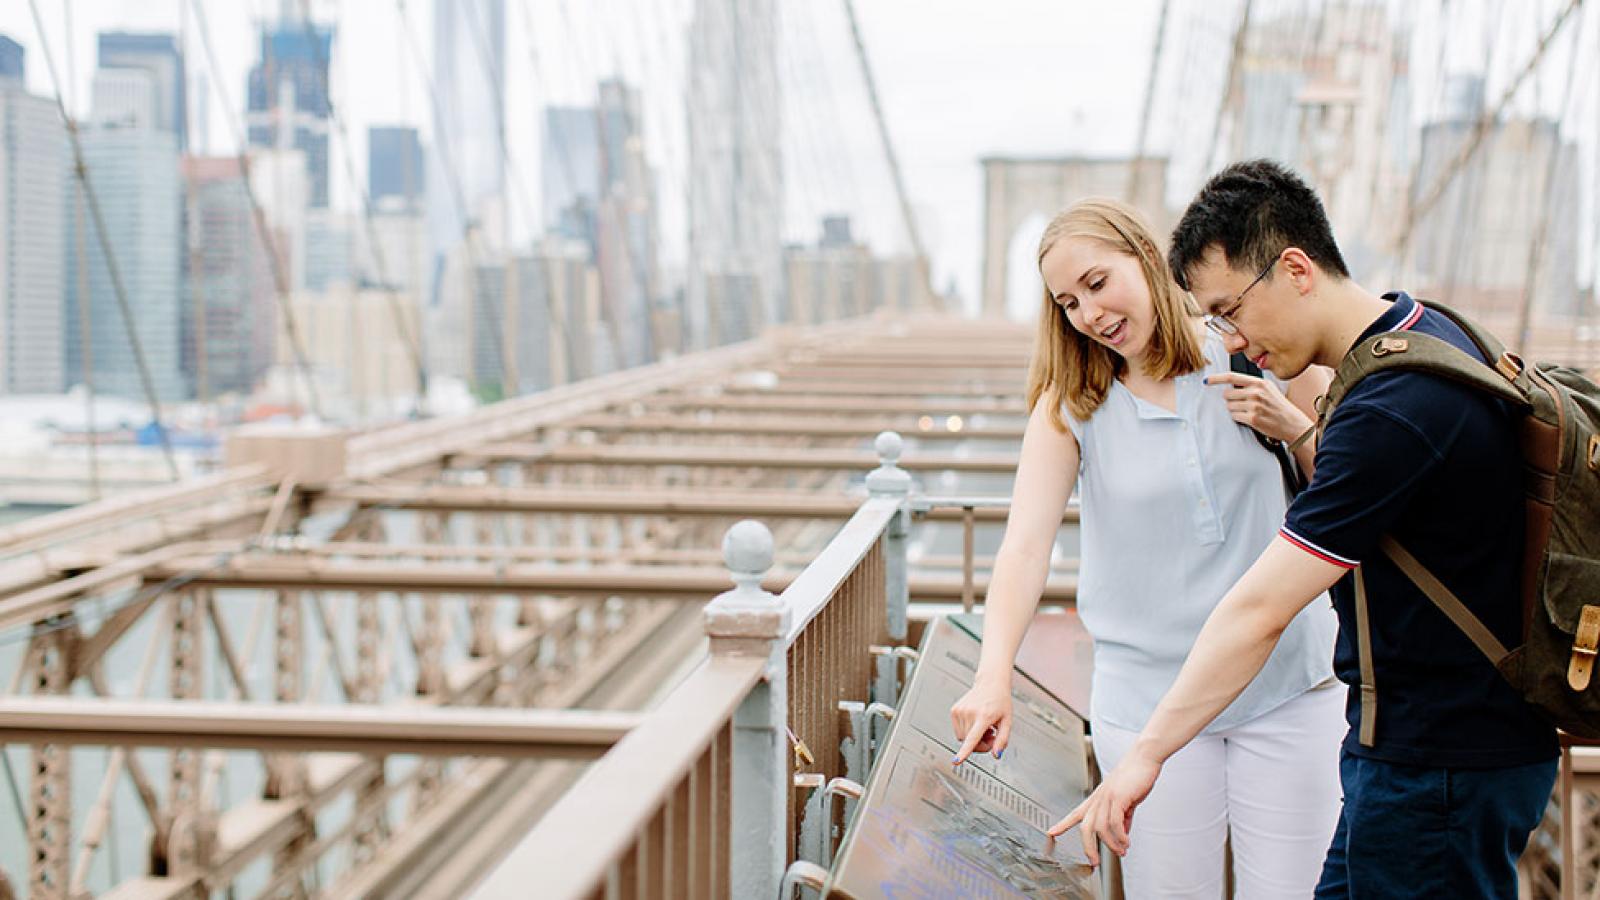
{"points": [[1272, 782]]}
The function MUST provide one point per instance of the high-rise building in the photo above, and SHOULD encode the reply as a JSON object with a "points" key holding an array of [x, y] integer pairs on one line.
{"points": [[134, 172], [354, 340], [469, 72], [12, 58], [124, 98], [841, 279], [394, 168], [157, 54], [282, 187], [550, 331], [735, 175], [33, 181], [330, 249], [229, 319], [288, 97], [400, 260], [626, 233], [570, 164]]}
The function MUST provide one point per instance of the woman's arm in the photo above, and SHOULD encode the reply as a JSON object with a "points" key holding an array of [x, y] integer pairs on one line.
{"points": [[1047, 469]]}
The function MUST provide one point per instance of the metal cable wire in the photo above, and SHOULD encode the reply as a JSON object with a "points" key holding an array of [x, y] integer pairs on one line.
{"points": [[81, 171], [410, 338], [263, 230]]}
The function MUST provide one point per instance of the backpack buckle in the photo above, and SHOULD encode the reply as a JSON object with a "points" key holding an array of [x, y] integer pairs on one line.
{"points": [[1509, 365], [1388, 345], [1584, 644]]}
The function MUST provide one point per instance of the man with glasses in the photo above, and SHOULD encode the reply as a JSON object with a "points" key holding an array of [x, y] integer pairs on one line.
{"points": [[1446, 771]]}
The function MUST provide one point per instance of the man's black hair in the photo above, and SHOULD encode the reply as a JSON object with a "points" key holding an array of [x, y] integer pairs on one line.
{"points": [[1253, 210]]}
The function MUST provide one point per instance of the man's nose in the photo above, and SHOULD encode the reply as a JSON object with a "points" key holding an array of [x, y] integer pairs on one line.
{"points": [[1235, 342]]}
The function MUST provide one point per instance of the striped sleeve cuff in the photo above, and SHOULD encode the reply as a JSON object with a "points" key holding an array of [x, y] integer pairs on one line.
{"points": [[1318, 552]]}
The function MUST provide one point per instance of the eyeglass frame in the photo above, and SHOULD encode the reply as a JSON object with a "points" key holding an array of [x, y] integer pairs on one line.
{"points": [[1222, 323]]}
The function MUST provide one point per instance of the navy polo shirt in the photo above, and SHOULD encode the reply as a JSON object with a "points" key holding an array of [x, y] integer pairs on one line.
{"points": [[1435, 464]]}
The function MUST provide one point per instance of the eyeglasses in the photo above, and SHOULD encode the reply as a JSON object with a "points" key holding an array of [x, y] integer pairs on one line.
{"points": [[1222, 323]]}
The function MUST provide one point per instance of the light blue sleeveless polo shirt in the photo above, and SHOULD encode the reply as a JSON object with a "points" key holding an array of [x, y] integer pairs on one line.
{"points": [[1176, 507]]}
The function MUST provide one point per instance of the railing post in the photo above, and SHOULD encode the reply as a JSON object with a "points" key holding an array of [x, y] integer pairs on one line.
{"points": [[889, 480], [748, 621]]}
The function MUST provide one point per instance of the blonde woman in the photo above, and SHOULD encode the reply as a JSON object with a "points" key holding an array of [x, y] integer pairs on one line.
{"points": [[1133, 400]]}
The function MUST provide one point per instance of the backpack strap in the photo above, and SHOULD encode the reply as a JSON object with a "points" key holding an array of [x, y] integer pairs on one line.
{"points": [[1442, 597], [1368, 700]]}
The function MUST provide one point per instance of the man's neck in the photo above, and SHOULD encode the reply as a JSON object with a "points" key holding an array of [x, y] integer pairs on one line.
{"points": [[1350, 309]]}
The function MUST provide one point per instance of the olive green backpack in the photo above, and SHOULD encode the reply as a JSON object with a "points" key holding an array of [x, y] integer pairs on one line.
{"points": [[1559, 433]]}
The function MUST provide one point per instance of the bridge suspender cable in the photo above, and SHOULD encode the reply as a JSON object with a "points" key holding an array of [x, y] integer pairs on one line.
{"points": [[888, 151], [263, 229], [409, 337], [81, 171], [1137, 169], [1480, 130]]}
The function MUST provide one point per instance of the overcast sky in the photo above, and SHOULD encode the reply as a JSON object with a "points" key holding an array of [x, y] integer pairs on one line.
{"points": [[959, 80]]}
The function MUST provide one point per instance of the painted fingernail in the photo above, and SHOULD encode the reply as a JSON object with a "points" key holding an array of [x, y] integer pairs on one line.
{"points": [[955, 760], [1206, 380], [999, 753]]}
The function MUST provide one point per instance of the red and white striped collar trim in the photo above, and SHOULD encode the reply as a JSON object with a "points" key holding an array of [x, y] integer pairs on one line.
{"points": [[1411, 318]]}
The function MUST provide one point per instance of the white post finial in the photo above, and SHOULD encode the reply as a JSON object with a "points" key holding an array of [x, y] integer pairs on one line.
{"points": [[888, 477], [747, 551], [746, 620]]}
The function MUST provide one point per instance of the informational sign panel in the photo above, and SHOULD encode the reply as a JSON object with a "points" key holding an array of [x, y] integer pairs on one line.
{"points": [[926, 829]]}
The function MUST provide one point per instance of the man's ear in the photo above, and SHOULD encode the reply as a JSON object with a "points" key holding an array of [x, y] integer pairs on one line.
{"points": [[1300, 269]]}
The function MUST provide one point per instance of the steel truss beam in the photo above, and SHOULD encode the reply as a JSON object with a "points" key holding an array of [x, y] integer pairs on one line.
{"points": [[439, 578], [303, 728], [658, 502], [729, 457], [864, 406], [789, 427]]}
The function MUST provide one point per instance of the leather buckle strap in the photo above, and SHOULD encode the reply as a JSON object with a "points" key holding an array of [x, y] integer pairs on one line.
{"points": [[1584, 646], [1509, 365]]}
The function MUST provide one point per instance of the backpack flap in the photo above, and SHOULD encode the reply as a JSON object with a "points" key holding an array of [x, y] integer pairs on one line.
{"points": [[1572, 601], [1584, 645]]}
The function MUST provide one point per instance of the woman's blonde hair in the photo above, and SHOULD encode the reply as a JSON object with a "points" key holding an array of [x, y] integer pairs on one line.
{"points": [[1071, 370]]}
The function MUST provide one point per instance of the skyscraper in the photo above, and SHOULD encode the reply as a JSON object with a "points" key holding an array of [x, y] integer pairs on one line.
{"points": [[11, 59], [735, 176], [469, 71], [229, 319], [124, 98], [288, 101], [33, 181], [625, 251], [394, 168], [157, 54], [570, 165], [134, 172]]}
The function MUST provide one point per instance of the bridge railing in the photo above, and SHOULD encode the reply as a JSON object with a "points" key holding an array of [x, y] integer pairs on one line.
{"points": [[699, 799]]}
